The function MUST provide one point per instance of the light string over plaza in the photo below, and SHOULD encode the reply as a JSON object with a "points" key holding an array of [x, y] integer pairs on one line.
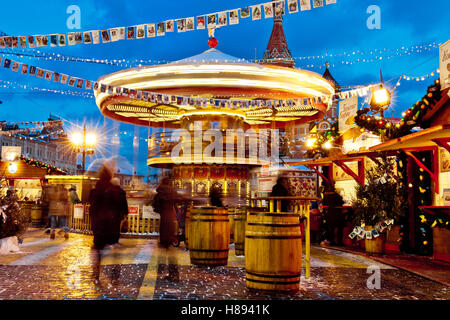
{"points": [[369, 56], [80, 83]]}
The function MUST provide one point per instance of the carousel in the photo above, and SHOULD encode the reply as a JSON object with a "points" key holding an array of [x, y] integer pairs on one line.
{"points": [[192, 105]]}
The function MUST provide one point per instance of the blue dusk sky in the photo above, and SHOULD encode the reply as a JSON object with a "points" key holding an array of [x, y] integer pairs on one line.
{"points": [[407, 41]]}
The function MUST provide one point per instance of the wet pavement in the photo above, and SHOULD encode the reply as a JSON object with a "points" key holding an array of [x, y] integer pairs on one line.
{"points": [[61, 269]]}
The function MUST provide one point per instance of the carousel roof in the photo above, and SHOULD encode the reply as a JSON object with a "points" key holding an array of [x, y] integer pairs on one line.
{"points": [[211, 75], [210, 56]]}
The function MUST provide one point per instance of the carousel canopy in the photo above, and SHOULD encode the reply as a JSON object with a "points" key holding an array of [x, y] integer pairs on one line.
{"points": [[211, 75]]}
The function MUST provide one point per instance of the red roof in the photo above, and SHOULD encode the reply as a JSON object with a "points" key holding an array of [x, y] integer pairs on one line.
{"points": [[277, 51]]}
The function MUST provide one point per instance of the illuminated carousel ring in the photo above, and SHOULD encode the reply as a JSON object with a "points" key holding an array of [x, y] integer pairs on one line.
{"points": [[212, 75]]}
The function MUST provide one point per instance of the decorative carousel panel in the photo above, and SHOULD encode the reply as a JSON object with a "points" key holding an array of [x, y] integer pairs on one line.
{"points": [[217, 185], [201, 173], [232, 173], [232, 188], [217, 173], [176, 173], [200, 188], [186, 173], [243, 189]]}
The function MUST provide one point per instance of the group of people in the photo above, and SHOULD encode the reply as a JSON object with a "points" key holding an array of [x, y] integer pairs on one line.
{"points": [[57, 200], [325, 226]]}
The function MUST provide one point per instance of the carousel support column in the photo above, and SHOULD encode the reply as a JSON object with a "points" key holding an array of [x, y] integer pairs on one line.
{"points": [[271, 205], [278, 205]]}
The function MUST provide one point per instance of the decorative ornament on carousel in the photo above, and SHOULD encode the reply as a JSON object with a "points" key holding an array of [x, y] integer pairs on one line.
{"points": [[212, 42]]}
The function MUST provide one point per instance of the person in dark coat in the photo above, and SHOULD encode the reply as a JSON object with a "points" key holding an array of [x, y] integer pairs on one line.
{"points": [[280, 189], [334, 215], [108, 208], [315, 217], [215, 196], [164, 204]]}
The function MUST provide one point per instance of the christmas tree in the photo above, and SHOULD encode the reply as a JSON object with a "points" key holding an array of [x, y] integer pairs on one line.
{"points": [[379, 199], [13, 220]]}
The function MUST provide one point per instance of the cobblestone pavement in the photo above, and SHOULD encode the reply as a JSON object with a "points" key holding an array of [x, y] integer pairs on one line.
{"points": [[61, 269]]}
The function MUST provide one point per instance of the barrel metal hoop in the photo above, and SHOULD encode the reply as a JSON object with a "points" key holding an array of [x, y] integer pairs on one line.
{"points": [[210, 220], [208, 250], [272, 276], [273, 214], [273, 237], [272, 282], [274, 225], [209, 259]]}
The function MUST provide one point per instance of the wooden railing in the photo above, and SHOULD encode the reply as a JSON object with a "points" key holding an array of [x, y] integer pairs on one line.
{"points": [[81, 221], [300, 206]]}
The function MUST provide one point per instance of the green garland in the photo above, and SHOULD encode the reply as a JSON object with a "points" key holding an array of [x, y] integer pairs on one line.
{"points": [[410, 119], [318, 150], [36, 163]]}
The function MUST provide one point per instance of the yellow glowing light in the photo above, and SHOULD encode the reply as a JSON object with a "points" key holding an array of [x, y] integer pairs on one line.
{"points": [[77, 139], [381, 97], [310, 142], [327, 145], [91, 139], [12, 167]]}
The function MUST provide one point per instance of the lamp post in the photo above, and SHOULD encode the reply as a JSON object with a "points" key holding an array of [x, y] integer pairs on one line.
{"points": [[84, 143]]}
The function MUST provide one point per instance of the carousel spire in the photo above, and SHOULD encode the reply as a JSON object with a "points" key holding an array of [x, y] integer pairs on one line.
{"points": [[277, 51]]}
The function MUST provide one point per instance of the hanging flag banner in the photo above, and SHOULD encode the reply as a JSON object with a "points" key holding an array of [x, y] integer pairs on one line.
{"points": [[305, 5], [114, 34], [292, 6], [444, 63]]}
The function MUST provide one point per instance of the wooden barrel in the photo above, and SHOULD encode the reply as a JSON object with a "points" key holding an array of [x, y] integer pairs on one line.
{"points": [[273, 251], [374, 245], [209, 237], [36, 215], [187, 226], [231, 212], [240, 219]]}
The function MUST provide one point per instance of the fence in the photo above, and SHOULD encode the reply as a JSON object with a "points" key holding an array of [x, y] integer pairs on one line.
{"points": [[81, 221]]}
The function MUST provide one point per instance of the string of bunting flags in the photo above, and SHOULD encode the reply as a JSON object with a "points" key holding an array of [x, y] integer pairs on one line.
{"points": [[81, 83], [360, 233], [50, 123], [151, 30]]}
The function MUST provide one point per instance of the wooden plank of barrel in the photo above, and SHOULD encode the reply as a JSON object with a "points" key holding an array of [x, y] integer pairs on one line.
{"points": [[240, 218], [231, 212], [273, 251], [187, 226], [209, 236], [36, 215]]}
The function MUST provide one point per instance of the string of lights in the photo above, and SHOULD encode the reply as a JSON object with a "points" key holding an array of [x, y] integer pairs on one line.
{"points": [[130, 63]]}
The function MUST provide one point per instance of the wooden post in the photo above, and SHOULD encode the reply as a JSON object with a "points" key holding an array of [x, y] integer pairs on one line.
{"points": [[307, 242]]}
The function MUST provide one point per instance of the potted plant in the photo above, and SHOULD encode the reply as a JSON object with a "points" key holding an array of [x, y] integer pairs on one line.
{"points": [[377, 204]]}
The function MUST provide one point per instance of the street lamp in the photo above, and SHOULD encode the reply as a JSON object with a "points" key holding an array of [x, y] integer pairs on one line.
{"points": [[84, 143], [381, 97]]}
